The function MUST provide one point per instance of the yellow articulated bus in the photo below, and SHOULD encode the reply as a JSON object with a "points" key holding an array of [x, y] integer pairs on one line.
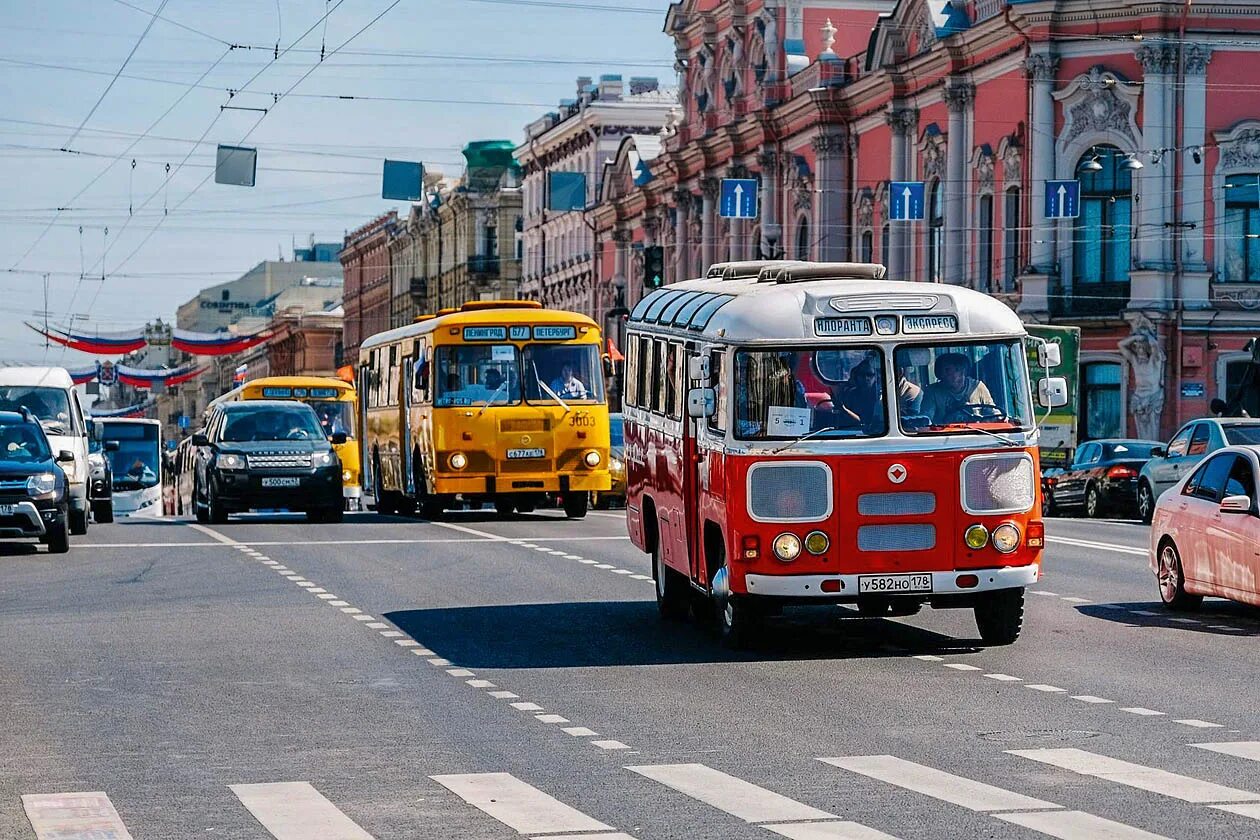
{"points": [[336, 404], [499, 401]]}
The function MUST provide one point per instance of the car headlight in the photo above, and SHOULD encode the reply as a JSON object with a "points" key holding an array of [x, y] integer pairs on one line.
{"points": [[229, 461], [42, 485], [458, 461], [1006, 538], [592, 458], [615, 464], [787, 547], [323, 459], [976, 537], [816, 542]]}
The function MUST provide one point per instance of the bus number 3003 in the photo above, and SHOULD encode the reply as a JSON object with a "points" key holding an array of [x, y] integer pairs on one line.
{"points": [[581, 418]]}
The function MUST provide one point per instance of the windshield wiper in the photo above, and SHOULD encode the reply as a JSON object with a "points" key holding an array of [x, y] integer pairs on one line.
{"points": [[805, 437], [553, 394], [490, 402], [988, 432]]}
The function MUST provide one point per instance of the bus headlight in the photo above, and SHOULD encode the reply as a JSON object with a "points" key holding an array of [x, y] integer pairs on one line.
{"points": [[346, 475], [41, 486], [229, 461], [458, 461], [816, 542], [1006, 538], [976, 537], [787, 547], [591, 458]]}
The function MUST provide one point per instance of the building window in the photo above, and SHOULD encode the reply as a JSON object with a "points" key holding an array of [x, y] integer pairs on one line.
{"points": [[1100, 401], [1242, 229], [936, 232], [1101, 241], [226, 295], [1234, 373], [885, 239], [1010, 243], [802, 239], [868, 246], [984, 243]]}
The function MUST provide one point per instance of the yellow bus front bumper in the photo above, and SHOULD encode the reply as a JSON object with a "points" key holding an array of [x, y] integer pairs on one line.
{"points": [[486, 483]]}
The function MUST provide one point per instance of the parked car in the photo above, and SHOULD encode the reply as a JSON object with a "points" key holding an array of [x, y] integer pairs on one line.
{"points": [[34, 492], [266, 454], [1205, 532], [615, 494], [1102, 479], [1193, 441]]}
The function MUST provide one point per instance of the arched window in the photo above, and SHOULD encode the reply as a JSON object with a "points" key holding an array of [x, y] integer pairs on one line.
{"points": [[1100, 401], [1010, 238], [802, 239], [936, 232], [1104, 228], [868, 246], [885, 240], [1242, 229], [984, 244]]}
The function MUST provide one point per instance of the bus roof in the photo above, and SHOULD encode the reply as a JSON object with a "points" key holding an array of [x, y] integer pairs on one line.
{"points": [[777, 301], [120, 421], [480, 312], [299, 382]]}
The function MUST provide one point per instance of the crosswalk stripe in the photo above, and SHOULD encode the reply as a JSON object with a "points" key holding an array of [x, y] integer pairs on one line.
{"points": [[520, 806], [1151, 779], [968, 793], [754, 804], [74, 816], [1070, 825], [297, 811], [1249, 750]]}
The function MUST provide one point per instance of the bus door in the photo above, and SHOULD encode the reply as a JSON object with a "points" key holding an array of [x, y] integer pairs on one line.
{"points": [[405, 381], [695, 465], [363, 379]]}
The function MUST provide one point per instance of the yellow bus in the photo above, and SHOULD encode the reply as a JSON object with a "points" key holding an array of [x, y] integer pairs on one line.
{"points": [[499, 401], [334, 401]]}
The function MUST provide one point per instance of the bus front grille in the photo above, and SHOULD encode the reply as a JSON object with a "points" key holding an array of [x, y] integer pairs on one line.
{"points": [[526, 465]]}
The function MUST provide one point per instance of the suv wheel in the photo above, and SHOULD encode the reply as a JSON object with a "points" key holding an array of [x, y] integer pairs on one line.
{"points": [[215, 514], [58, 536]]}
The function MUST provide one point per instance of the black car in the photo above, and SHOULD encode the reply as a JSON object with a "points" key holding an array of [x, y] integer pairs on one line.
{"points": [[1103, 478], [100, 476], [266, 454], [34, 503]]}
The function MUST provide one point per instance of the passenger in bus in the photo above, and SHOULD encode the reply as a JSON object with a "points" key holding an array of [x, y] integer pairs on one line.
{"points": [[949, 399], [568, 385], [330, 419], [861, 399], [767, 382]]}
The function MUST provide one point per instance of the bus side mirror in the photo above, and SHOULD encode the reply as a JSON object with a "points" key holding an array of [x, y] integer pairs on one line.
{"points": [[421, 379], [339, 438], [110, 446], [1049, 355], [610, 370], [1052, 392], [698, 368], [701, 402]]}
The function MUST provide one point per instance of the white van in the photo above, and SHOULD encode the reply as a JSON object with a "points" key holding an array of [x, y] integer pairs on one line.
{"points": [[49, 394]]}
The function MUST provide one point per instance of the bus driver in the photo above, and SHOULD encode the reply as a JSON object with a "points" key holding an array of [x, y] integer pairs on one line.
{"points": [[954, 392]]}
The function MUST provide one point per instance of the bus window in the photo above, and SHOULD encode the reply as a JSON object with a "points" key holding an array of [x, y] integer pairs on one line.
{"points": [[643, 385], [717, 420], [480, 374], [672, 379], [952, 387], [136, 462], [334, 416], [631, 372], [825, 392], [570, 372], [657, 382]]}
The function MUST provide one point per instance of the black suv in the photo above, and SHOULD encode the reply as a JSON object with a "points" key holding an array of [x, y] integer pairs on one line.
{"points": [[33, 499], [266, 454]]}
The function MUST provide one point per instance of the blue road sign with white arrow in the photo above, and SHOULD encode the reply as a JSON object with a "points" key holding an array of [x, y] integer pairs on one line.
{"points": [[739, 198], [906, 201], [1063, 199]]}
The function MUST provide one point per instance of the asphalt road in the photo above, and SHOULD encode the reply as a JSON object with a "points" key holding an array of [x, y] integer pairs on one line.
{"points": [[481, 678]]}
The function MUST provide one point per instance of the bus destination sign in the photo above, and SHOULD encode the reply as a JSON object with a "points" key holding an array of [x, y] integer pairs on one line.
{"points": [[518, 332], [919, 324], [563, 333], [485, 333], [842, 326]]}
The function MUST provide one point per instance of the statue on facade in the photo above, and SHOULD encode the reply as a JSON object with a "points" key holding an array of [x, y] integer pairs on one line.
{"points": [[770, 16], [1146, 358]]}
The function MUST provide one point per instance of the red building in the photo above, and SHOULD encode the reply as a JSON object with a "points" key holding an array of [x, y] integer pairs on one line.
{"points": [[365, 263], [826, 102]]}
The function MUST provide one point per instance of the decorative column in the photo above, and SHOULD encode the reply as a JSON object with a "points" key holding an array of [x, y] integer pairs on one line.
{"points": [[621, 247], [902, 121], [710, 188], [1042, 68], [1194, 193], [683, 201], [1153, 183], [959, 98], [831, 155], [771, 231]]}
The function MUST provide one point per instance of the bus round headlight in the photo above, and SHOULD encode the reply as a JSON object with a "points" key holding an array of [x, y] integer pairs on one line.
{"points": [[346, 475], [458, 461], [816, 542], [1006, 538], [787, 547], [591, 458], [976, 537]]}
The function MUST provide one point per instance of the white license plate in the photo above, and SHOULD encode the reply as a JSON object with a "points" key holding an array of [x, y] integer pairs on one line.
{"points": [[7, 510], [894, 584], [526, 453], [281, 482]]}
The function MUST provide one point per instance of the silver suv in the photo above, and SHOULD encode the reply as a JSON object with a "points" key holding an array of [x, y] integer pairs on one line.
{"points": [[1192, 442]]}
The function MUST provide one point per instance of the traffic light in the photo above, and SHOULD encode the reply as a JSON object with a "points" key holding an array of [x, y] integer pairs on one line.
{"points": [[654, 266]]}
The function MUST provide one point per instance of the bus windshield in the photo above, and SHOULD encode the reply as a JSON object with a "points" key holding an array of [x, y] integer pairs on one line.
{"points": [[477, 374], [334, 416], [136, 462], [569, 372], [825, 392], [950, 388]]}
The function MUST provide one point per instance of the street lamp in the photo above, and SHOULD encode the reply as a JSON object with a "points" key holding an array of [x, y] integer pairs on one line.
{"points": [[1130, 164]]}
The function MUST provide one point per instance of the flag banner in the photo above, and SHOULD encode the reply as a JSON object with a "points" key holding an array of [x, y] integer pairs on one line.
{"points": [[142, 378], [215, 344], [83, 375], [114, 343], [240, 374], [136, 410]]}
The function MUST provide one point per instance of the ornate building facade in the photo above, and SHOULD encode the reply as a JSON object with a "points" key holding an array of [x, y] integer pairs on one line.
{"points": [[825, 102], [365, 261]]}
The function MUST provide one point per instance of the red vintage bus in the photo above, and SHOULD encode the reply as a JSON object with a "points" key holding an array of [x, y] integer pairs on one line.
{"points": [[813, 433]]}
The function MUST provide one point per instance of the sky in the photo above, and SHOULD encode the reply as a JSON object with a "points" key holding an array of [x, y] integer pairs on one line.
{"points": [[94, 108]]}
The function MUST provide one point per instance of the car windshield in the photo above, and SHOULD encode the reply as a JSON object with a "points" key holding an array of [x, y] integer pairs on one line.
{"points": [[1241, 435], [252, 423], [1135, 451], [477, 374], [22, 443], [569, 372], [136, 462], [334, 416], [616, 431], [50, 405], [825, 392], [952, 388]]}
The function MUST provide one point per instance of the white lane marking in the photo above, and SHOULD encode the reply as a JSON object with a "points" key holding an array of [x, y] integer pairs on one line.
{"points": [[392, 634], [326, 596], [351, 610], [1049, 689], [602, 566], [504, 695], [1046, 592], [338, 603], [364, 617], [1152, 779], [572, 557], [439, 662], [1199, 724], [460, 672], [580, 731], [1249, 750], [422, 651], [1139, 710], [958, 666], [74, 816], [725, 792], [927, 657], [317, 590], [588, 562], [968, 793], [1078, 825], [1075, 600], [526, 706], [522, 807], [305, 584], [480, 683], [622, 572], [611, 745], [297, 811], [1089, 698], [1119, 549], [377, 625], [407, 643], [143, 545], [213, 534], [640, 577], [828, 831], [1143, 612], [1251, 810], [1004, 678], [552, 719]]}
